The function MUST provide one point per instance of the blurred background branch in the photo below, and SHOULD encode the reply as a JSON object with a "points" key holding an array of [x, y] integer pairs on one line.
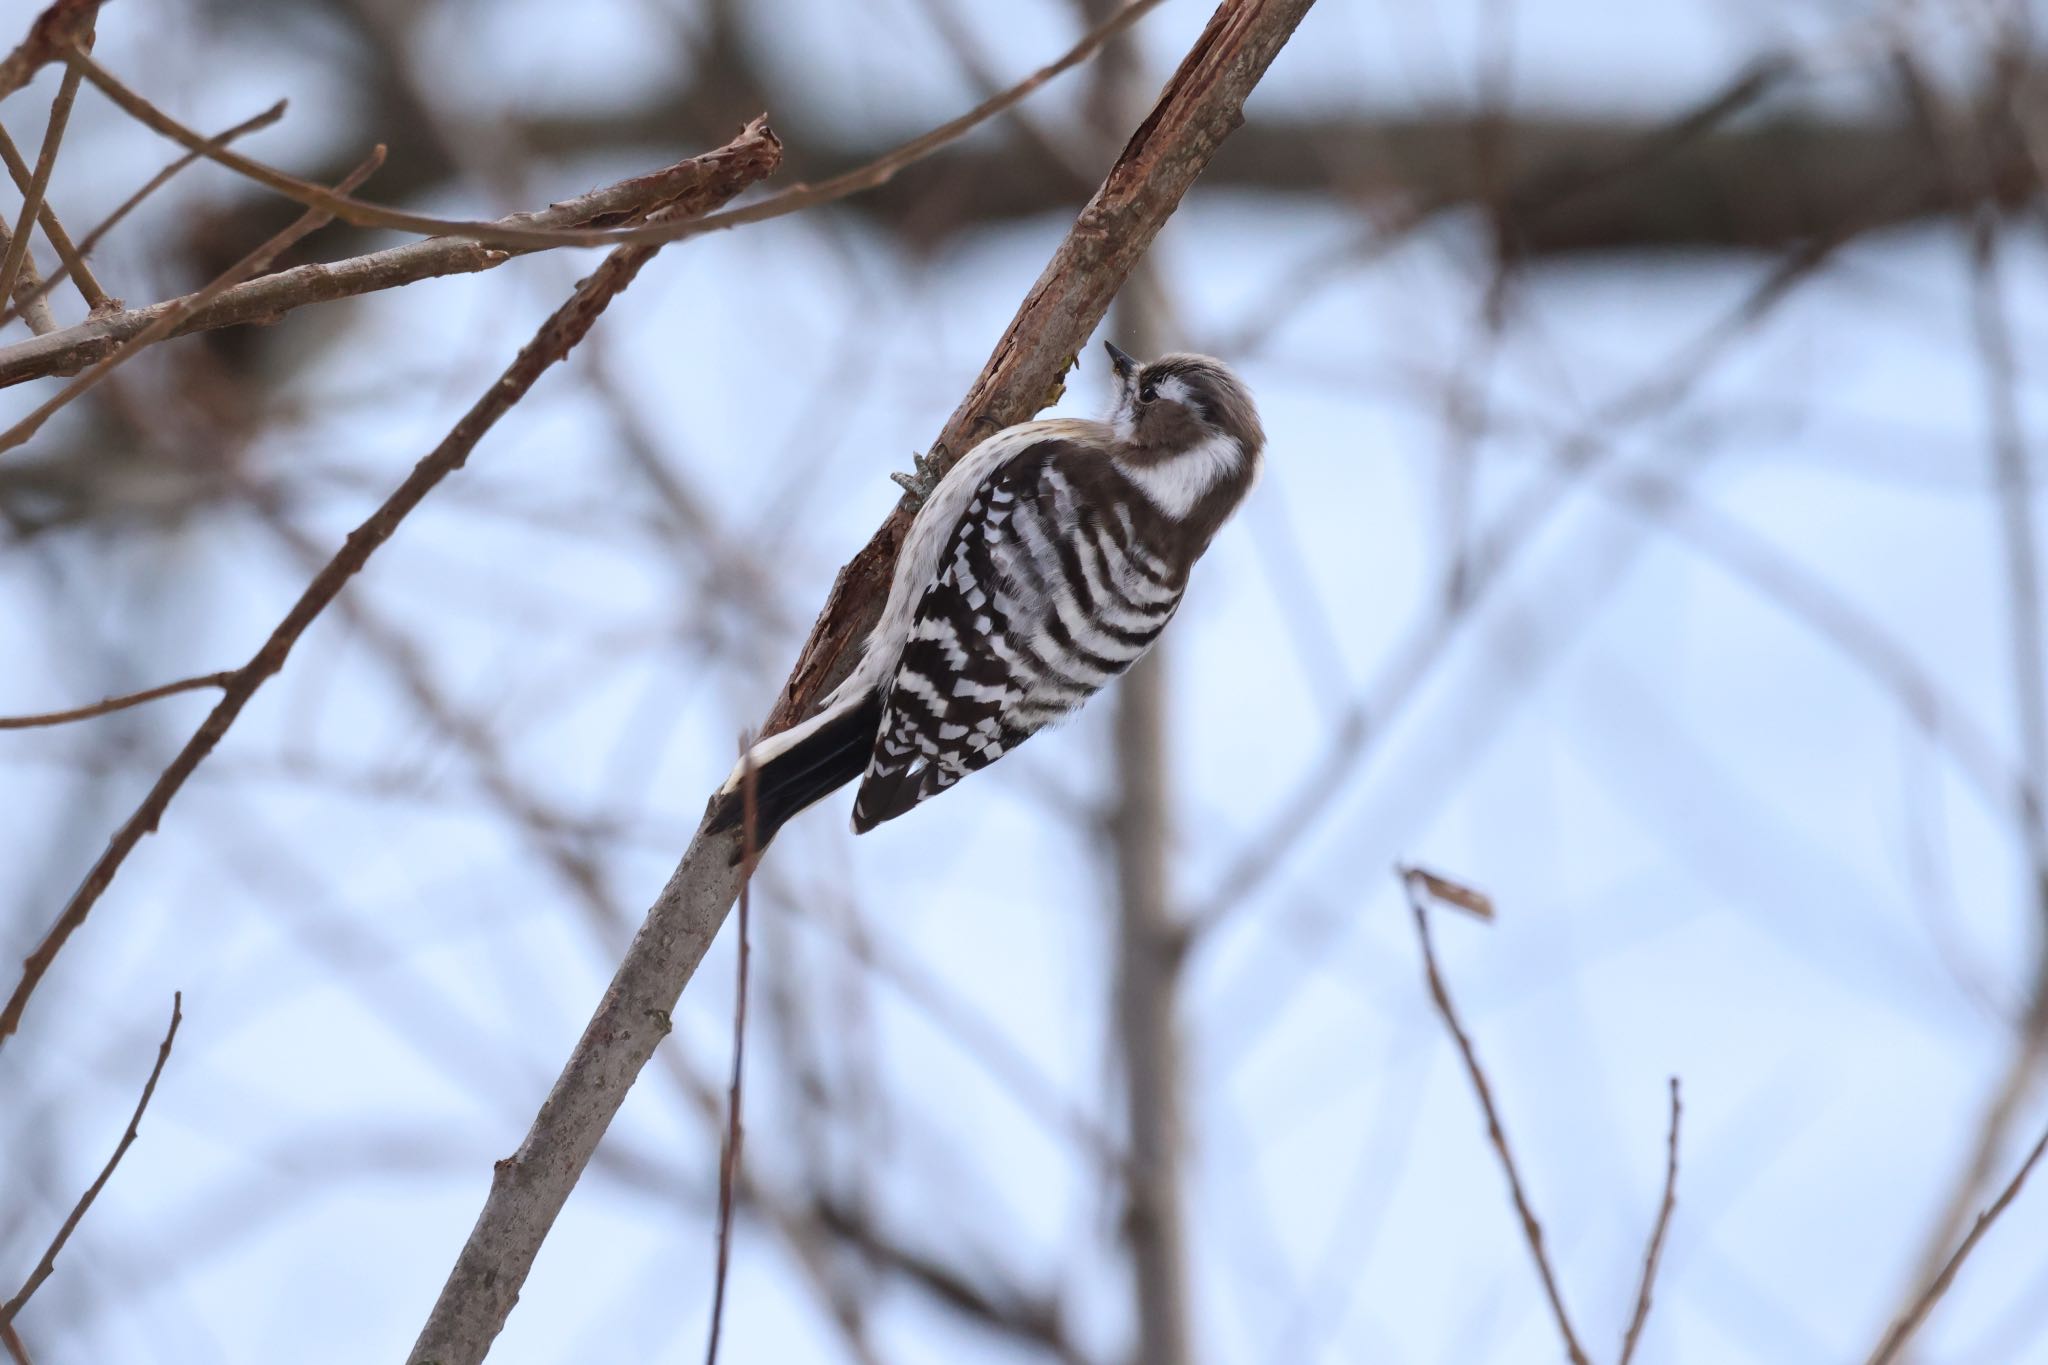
{"points": [[1648, 532]]}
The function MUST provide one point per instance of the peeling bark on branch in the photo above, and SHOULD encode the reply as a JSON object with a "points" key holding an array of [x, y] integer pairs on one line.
{"points": [[1200, 105]]}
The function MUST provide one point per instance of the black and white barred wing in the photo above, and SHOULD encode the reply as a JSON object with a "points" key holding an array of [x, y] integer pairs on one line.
{"points": [[1045, 592]]}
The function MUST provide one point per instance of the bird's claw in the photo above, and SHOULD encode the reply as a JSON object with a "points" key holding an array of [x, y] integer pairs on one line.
{"points": [[923, 478]]}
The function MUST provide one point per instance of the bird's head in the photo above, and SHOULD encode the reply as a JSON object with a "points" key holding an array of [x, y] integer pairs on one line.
{"points": [[1179, 401]]}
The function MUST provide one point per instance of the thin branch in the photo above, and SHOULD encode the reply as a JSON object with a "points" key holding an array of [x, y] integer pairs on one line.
{"points": [[729, 1160], [48, 1263], [1654, 1255], [29, 288], [129, 205], [255, 263], [1417, 886], [72, 260], [273, 295], [121, 703], [754, 154], [1199, 106], [16, 1351], [46, 162], [796, 199], [1902, 1330]]}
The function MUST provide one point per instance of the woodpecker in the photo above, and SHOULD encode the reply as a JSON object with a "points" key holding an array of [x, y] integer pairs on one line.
{"points": [[1043, 564]]}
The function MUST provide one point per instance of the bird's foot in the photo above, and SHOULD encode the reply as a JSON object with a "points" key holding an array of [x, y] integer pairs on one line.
{"points": [[923, 478]]}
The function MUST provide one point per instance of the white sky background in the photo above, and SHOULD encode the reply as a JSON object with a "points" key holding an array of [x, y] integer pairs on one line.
{"points": [[1721, 850]]}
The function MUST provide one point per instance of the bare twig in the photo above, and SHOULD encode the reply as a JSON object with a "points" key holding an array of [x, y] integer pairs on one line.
{"points": [[11, 1339], [1653, 1256], [273, 295], [255, 263], [71, 258], [1902, 1330], [794, 200], [1197, 109], [754, 154], [121, 703], [29, 288], [46, 162], [128, 206], [1417, 885], [729, 1160], [48, 1263]]}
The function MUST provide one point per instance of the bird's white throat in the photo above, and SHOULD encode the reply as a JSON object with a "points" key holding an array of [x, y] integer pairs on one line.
{"points": [[1174, 485]]}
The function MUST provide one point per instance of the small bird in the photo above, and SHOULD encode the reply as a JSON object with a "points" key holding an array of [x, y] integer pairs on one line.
{"points": [[1042, 565]]}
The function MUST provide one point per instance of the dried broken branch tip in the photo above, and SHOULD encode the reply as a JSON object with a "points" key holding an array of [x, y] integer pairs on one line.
{"points": [[1444, 891]]}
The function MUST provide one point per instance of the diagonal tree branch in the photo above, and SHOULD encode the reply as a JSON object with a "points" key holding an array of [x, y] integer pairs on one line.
{"points": [[271, 296], [463, 246], [39, 179], [722, 174], [1653, 1255], [1909, 1322], [72, 260], [1202, 102], [48, 1263], [255, 263], [129, 205]]}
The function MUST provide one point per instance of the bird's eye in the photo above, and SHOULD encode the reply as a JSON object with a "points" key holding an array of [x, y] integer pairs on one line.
{"points": [[1147, 392]]}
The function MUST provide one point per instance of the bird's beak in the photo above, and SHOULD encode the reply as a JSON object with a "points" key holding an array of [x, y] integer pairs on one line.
{"points": [[1125, 366]]}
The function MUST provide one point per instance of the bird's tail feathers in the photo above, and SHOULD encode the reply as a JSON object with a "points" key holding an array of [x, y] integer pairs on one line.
{"points": [[801, 765]]}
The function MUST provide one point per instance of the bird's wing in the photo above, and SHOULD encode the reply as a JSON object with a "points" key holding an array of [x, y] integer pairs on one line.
{"points": [[1044, 592]]}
